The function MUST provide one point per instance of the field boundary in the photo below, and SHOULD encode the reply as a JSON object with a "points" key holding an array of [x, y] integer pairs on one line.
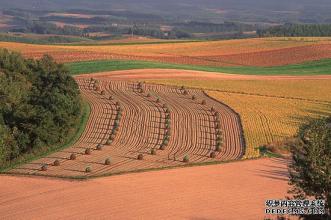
{"points": [[90, 177]]}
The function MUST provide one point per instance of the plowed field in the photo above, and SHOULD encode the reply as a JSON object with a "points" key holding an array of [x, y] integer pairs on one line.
{"points": [[227, 191], [246, 52], [192, 130]]}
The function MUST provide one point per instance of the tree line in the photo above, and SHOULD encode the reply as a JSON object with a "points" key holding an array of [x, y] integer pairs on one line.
{"points": [[39, 104], [40, 27], [296, 30]]}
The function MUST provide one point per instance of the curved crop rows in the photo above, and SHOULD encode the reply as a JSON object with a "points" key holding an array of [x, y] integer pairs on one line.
{"points": [[136, 126]]}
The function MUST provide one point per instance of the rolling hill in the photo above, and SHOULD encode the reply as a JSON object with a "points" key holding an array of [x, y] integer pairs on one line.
{"points": [[244, 10]]}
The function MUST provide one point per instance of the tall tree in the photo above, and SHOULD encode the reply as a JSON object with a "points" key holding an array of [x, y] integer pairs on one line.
{"points": [[310, 171]]}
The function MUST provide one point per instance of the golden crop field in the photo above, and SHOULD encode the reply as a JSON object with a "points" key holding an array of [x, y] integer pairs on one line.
{"points": [[251, 52], [270, 110]]}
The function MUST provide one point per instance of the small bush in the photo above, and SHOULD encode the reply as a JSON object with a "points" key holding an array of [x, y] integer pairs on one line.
{"points": [[108, 161], [118, 117], [140, 157], [167, 133], [165, 141], [203, 102], [167, 116], [162, 147], [193, 97], [118, 103], [167, 111], [109, 142], [212, 155], [186, 159], [218, 148], [110, 98], [88, 169], [212, 109], [56, 163], [73, 157], [158, 100], [88, 151], [167, 126], [182, 87], [44, 167], [185, 92], [99, 147], [153, 152], [103, 92], [141, 91]]}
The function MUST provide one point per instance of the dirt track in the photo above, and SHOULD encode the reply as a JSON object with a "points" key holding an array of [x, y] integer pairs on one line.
{"points": [[228, 191], [142, 128], [140, 74]]}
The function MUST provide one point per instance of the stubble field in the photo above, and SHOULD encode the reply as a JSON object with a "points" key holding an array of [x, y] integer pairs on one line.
{"points": [[271, 110]]}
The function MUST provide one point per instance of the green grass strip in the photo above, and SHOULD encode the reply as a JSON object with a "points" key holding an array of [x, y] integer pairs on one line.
{"points": [[321, 67]]}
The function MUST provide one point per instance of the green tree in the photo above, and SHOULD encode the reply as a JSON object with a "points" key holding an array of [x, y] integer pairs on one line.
{"points": [[39, 104], [310, 170]]}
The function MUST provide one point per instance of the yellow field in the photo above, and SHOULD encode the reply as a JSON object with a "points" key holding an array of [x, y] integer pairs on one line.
{"points": [[270, 110], [259, 52]]}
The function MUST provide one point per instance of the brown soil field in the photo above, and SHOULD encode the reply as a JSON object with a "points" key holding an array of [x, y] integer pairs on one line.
{"points": [[193, 130], [226, 191], [244, 52]]}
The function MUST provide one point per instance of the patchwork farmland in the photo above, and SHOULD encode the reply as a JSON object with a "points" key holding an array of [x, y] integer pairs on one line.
{"points": [[136, 126], [154, 115], [246, 52]]}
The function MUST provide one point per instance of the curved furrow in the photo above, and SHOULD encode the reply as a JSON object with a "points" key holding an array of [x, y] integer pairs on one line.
{"points": [[142, 128]]}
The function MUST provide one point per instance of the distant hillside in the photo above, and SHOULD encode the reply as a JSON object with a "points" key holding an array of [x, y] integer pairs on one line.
{"points": [[304, 11]]}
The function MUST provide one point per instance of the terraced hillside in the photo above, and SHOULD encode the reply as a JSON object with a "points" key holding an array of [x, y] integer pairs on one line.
{"points": [[142, 126]]}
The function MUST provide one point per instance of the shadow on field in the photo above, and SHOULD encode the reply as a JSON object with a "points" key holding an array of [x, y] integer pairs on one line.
{"points": [[276, 172]]}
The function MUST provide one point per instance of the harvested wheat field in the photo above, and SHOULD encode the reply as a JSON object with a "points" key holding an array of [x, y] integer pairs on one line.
{"points": [[256, 98], [245, 52], [140, 126], [271, 110], [227, 191]]}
